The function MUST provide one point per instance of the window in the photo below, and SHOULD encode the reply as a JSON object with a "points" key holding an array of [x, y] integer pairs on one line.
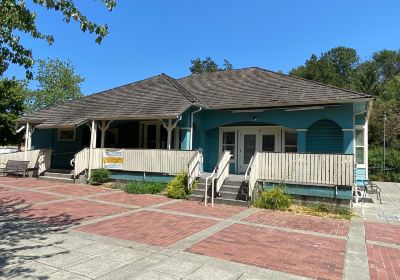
{"points": [[229, 142], [360, 146], [290, 142], [66, 134], [268, 143]]}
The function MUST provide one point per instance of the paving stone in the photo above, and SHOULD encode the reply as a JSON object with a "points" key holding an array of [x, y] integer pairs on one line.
{"points": [[300, 222], [193, 207], [127, 255], [384, 262], [382, 232], [98, 249], [208, 272], [72, 243], [65, 260], [176, 267], [31, 270], [95, 267], [66, 275], [132, 199], [295, 253], [153, 228], [154, 275]]}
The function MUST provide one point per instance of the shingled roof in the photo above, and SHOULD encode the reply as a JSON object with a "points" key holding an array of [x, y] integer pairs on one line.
{"points": [[256, 87], [165, 97]]}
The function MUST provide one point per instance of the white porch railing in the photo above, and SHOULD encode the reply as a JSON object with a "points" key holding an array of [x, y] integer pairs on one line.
{"points": [[194, 167], [80, 162], [141, 160], [313, 169], [38, 159], [218, 176]]}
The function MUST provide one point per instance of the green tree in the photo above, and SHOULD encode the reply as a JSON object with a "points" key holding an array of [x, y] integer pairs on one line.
{"points": [[335, 67], [208, 65], [387, 63], [17, 18], [12, 98], [57, 83]]}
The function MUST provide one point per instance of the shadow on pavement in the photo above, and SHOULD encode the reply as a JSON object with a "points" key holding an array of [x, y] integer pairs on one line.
{"points": [[24, 239]]}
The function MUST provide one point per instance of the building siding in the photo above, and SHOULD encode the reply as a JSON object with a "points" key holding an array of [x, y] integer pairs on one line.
{"points": [[324, 136]]}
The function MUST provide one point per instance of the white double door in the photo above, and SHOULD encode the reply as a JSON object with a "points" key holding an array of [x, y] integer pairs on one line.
{"points": [[253, 140]]}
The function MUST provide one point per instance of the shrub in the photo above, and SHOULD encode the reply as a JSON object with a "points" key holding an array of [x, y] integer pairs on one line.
{"points": [[100, 176], [144, 187], [375, 158], [177, 187], [275, 198]]}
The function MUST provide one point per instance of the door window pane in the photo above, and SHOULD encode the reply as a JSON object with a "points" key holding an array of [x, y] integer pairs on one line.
{"points": [[229, 142], [360, 155], [359, 137], [268, 143], [249, 147], [290, 141]]}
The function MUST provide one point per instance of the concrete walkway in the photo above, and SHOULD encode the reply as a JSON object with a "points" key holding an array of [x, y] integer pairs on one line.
{"points": [[62, 231]]}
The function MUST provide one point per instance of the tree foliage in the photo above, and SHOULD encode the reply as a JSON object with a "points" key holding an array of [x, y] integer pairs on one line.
{"points": [[57, 83], [12, 98], [17, 18], [208, 65], [378, 76]]}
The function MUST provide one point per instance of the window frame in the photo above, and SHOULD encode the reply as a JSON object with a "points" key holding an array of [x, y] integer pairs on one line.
{"points": [[63, 139], [364, 146], [221, 138]]}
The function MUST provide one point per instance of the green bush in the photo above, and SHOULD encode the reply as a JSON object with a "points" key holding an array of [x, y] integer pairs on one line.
{"points": [[385, 177], [275, 198], [375, 158], [177, 187], [99, 176], [144, 187]]}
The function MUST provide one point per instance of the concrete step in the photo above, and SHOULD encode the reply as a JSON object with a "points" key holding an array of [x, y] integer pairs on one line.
{"points": [[64, 171], [227, 182], [56, 179], [58, 175]]}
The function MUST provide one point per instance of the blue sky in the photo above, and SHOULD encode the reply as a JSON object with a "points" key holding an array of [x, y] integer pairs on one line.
{"points": [[150, 37]]}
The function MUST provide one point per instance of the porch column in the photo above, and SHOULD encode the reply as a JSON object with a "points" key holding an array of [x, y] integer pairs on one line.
{"points": [[103, 128], [348, 141], [301, 140], [169, 127], [28, 140], [93, 138]]}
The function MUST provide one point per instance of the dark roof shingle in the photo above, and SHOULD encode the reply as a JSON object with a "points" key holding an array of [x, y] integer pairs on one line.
{"points": [[164, 97]]}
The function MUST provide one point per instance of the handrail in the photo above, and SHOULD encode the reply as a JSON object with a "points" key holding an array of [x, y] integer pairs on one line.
{"points": [[219, 175], [194, 169], [248, 168]]}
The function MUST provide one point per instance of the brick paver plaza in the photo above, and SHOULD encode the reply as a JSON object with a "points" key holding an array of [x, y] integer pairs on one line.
{"points": [[51, 230]]}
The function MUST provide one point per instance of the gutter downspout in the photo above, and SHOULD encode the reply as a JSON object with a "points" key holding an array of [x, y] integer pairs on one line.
{"points": [[191, 127]]}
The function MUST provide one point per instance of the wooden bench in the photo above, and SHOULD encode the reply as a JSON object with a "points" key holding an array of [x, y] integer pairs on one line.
{"points": [[15, 167]]}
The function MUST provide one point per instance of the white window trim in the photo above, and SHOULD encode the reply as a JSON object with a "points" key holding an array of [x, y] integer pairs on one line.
{"points": [[365, 129], [67, 140]]}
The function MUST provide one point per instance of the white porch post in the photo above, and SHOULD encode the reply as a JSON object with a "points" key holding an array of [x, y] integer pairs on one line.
{"points": [[169, 127], [103, 128], [93, 139], [27, 140]]}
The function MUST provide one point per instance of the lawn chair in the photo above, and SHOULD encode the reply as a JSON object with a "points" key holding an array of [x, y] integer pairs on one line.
{"points": [[372, 188]]}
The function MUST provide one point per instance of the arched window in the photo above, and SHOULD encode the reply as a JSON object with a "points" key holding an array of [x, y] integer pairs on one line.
{"points": [[324, 136]]}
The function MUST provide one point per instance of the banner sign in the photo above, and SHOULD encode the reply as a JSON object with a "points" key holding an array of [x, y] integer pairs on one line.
{"points": [[113, 159]]}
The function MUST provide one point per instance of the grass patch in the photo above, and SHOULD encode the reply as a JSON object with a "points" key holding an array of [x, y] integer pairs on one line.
{"points": [[141, 187], [322, 210]]}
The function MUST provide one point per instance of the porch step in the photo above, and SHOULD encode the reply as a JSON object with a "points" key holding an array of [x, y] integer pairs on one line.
{"points": [[56, 179], [231, 192], [58, 175]]}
